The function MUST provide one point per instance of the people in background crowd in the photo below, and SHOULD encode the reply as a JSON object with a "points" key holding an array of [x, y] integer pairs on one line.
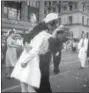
{"points": [[11, 56], [19, 42], [4, 48], [82, 47], [88, 48], [74, 46]]}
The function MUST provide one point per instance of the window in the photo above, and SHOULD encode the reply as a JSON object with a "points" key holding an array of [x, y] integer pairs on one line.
{"points": [[54, 2], [54, 9], [65, 8], [70, 6], [29, 2], [59, 21], [45, 3], [83, 7], [49, 2], [59, 9], [83, 20], [13, 13], [18, 15], [49, 9], [70, 19], [37, 4], [88, 21], [45, 11], [75, 5], [5, 12]]}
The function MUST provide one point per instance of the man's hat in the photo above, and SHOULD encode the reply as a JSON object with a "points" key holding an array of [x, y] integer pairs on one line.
{"points": [[50, 17], [14, 30], [61, 29]]}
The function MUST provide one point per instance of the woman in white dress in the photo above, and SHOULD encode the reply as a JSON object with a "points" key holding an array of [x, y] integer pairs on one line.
{"points": [[27, 69], [11, 56], [82, 47]]}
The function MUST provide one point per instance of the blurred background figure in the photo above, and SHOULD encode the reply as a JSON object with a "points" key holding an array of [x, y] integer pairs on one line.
{"points": [[33, 19], [19, 49], [74, 46], [4, 48], [82, 34], [88, 48], [57, 50], [82, 47], [11, 55]]}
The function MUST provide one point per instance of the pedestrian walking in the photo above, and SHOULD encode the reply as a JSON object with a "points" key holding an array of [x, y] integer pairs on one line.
{"points": [[62, 37], [74, 45], [11, 56], [82, 47], [57, 50]]}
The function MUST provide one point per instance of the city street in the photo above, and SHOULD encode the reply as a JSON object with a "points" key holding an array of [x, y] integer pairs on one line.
{"points": [[70, 78]]}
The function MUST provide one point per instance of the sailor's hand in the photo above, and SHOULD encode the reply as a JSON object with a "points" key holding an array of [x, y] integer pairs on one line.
{"points": [[57, 53]]}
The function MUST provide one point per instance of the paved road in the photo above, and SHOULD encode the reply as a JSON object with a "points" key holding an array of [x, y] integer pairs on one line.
{"points": [[70, 79]]}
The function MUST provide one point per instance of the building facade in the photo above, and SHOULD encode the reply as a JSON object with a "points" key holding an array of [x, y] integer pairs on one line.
{"points": [[16, 15], [72, 13]]}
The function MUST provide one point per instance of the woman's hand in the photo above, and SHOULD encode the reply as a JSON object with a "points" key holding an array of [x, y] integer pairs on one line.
{"points": [[24, 65]]}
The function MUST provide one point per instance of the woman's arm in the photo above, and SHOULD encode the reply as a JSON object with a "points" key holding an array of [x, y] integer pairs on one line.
{"points": [[30, 55], [11, 43]]}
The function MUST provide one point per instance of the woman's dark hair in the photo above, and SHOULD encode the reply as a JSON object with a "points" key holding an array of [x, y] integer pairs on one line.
{"points": [[37, 29], [11, 32], [53, 22]]}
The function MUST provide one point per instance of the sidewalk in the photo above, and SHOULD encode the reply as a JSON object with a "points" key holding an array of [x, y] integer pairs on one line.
{"points": [[72, 81], [70, 78]]}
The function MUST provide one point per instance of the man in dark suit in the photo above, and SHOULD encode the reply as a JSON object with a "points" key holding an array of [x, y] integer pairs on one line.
{"points": [[57, 56], [60, 38]]}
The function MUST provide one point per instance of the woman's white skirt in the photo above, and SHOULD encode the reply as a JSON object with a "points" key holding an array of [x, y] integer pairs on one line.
{"points": [[30, 74], [11, 57]]}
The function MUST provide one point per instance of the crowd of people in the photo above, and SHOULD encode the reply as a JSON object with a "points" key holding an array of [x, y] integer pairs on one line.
{"points": [[29, 55]]}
